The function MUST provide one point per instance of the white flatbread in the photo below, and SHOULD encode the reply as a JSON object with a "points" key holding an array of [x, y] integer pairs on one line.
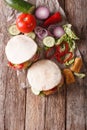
{"points": [[20, 49], [44, 75]]}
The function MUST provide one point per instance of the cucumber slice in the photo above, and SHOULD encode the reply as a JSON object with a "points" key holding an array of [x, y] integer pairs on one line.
{"points": [[36, 92], [21, 5], [13, 30], [49, 41], [31, 35]]}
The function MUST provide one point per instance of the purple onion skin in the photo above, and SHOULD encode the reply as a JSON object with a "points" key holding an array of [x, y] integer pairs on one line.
{"points": [[58, 32], [41, 32], [42, 12]]}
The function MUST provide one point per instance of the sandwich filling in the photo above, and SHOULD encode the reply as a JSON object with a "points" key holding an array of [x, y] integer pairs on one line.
{"points": [[25, 64]]}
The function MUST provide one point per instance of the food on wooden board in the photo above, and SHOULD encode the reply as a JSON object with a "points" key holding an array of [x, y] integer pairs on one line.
{"points": [[21, 51], [26, 23], [45, 77], [76, 67], [69, 77], [57, 38], [21, 5]]}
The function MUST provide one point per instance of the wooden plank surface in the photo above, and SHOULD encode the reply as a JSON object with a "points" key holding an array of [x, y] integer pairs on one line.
{"points": [[20, 109], [45, 113], [76, 94], [12, 98]]}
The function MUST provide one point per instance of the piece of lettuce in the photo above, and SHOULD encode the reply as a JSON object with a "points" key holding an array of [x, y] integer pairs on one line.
{"points": [[69, 32], [80, 75]]}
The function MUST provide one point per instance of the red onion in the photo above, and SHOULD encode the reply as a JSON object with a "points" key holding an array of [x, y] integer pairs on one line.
{"points": [[42, 12], [58, 32], [41, 32], [51, 28]]}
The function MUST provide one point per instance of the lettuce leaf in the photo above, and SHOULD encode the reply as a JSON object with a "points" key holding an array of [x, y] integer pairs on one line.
{"points": [[69, 32], [80, 75]]}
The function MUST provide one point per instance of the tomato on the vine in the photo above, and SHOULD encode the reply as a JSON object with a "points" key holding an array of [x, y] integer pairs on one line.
{"points": [[26, 23]]}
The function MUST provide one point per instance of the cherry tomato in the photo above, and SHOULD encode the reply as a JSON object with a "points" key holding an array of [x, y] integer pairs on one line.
{"points": [[26, 23]]}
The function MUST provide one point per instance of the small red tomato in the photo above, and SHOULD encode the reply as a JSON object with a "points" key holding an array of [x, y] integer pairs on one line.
{"points": [[26, 23]]}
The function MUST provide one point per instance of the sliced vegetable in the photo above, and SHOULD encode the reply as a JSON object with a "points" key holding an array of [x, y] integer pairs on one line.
{"points": [[62, 53], [51, 28], [31, 35], [58, 32], [62, 59], [69, 32], [21, 5], [70, 62], [42, 12], [61, 39], [36, 92], [49, 41], [68, 58], [38, 29], [13, 30], [62, 49], [26, 23], [70, 42], [80, 75], [50, 52], [15, 66], [41, 32], [55, 18]]}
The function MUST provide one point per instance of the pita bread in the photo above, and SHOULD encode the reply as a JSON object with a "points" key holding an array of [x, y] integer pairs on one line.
{"points": [[20, 48], [44, 75]]}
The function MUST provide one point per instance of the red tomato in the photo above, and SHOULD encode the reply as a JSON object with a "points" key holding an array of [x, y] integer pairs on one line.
{"points": [[26, 23]]}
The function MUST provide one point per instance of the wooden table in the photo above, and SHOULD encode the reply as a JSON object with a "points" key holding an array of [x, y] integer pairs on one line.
{"points": [[20, 109]]}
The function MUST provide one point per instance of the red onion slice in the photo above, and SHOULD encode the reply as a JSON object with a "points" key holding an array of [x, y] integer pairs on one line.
{"points": [[41, 32]]}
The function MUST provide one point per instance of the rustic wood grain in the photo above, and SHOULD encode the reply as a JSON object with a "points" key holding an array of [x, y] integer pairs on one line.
{"points": [[19, 108], [12, 98], [45, 113], [77, 94], [35, 112]]}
